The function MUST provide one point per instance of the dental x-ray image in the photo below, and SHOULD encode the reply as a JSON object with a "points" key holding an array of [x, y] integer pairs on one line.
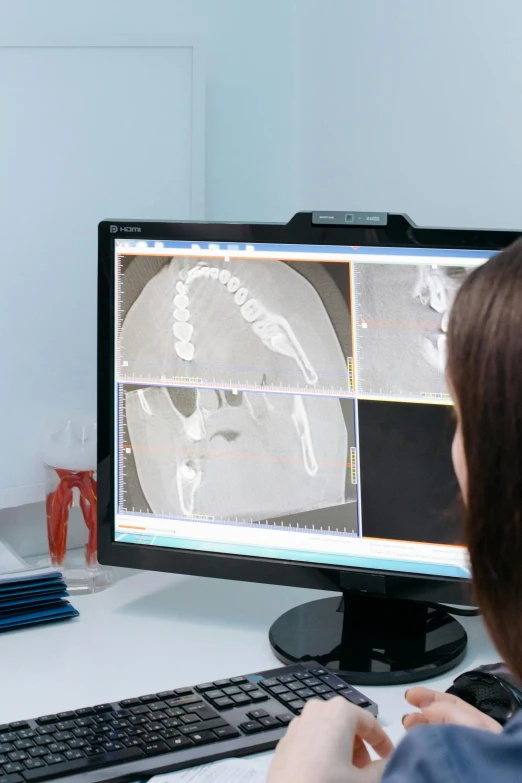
{"points": [[238, 456], [402, 314], [236, 322]]}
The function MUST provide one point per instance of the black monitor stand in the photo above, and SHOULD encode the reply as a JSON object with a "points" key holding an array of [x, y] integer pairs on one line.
{"points": [[371, 640]]}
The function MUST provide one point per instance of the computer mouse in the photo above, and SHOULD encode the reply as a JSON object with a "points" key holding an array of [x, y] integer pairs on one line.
{"points": [[492, 689]]}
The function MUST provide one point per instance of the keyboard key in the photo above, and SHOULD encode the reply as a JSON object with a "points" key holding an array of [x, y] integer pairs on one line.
{"points": [[168, 734], [71, 755], [269, 722], [6, 747], [256, 714], [248, 687], [67, 715], [54, 758], [19, 724], [45, 719], [224, 703], [320, 689], [23, 744], [84, 722], [215, 694], [270, 683], [99, 708], [297, 705], [155, 748], [129, 703], [174, 713], [305, 693], [85, 712], [10, 736], [34, 763], [44, 730], [357, 698], [328, 696], [84, 764], [319, 672], [251, 727], [171, 723], [226, 732], [180, 743], [233, 690], [258, 696], [334, 682], [158, 705], [11, 767], [65, 725], [148, 698], [203, 713], [311, 682], [205, 686], [4, 727], [241, 699], [182, 701], [183, 691], [277, 690], [141, 710], [37, 752], [13, 779], [286, 697], [26, 734], [203, 738], [222, 683], [171, 694], [286, 678], [41, 741], [18, 755], [296, 686], [194, 728], [238, 680], [301, 675], [58, 747], [65, 736]]}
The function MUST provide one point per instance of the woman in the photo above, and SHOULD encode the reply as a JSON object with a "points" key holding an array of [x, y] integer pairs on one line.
{"points": [[484, 370]]}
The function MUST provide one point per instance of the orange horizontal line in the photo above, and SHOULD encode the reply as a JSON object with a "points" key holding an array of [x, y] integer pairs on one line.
{"points": [[132, 527], [402, 541], [225, 455]]}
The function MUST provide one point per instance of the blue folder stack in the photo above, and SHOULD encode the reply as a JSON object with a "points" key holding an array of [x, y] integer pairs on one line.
{"points": [[31, 597]]}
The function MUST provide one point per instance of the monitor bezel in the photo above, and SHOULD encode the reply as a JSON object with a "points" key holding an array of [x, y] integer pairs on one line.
{"points": [[399, 232]]}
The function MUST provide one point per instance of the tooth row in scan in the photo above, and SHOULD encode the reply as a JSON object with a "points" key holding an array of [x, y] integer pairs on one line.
{"points": [[183, 331], [259, 323]]}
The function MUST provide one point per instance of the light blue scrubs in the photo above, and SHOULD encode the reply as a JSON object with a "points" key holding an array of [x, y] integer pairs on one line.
{"points": [[456, 754]]}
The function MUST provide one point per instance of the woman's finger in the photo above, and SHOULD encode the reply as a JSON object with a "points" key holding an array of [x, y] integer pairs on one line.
{"points": [[361, 757], [368, 728], [413, 719], [420, 697]]}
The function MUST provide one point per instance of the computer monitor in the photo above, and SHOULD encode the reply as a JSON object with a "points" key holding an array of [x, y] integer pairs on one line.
{"points": [[272, 407]]}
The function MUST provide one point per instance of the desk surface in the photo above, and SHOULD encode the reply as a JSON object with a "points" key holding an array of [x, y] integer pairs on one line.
{"points": [[151, 632]]}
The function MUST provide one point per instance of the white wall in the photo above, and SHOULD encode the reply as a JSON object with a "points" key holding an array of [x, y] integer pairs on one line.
{"points": [[402, 106], [411, 106]]}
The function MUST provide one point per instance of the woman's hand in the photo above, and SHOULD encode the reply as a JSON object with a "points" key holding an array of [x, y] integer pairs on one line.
{"points": [[327, 745], [438, 707]]}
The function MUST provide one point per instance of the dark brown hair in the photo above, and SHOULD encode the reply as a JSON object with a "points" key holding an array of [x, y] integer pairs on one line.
{"points": [[485, 372]]}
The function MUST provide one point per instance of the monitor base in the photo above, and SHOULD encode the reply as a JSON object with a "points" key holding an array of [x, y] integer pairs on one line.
{"points": [[371, 640]]}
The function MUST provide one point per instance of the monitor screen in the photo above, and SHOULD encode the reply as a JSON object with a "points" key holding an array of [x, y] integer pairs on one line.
{"points": [[288, 402]]}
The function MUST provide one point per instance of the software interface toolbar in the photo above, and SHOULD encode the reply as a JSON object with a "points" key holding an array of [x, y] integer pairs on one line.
{"points": [[288, 401]]}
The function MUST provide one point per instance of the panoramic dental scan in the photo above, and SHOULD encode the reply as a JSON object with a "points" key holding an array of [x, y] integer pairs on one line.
{"points": [[284, 454], [256, 323]]}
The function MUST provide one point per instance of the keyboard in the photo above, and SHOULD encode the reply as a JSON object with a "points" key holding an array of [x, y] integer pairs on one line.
{"points": [[134, 739]]}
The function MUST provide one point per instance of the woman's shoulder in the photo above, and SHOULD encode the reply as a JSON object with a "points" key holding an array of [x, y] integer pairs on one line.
{"points": [[440, 754]]}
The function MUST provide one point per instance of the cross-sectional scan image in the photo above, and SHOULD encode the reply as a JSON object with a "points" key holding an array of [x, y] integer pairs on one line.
{"points": [[238, 322], [237, 456], [402, 315]]}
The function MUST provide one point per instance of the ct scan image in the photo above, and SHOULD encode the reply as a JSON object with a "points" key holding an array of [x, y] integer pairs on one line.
{"points": [[238, 322], [238, 456], [402, 318]]}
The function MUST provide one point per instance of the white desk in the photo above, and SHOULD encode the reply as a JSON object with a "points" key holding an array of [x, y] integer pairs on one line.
{"points": [[152, 632]]}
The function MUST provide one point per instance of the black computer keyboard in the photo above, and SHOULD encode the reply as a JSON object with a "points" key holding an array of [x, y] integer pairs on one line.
{"points": [[135, 739]]}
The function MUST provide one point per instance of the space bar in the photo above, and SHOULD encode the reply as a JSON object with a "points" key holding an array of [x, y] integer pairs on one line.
{"points": [[83, 765]]}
